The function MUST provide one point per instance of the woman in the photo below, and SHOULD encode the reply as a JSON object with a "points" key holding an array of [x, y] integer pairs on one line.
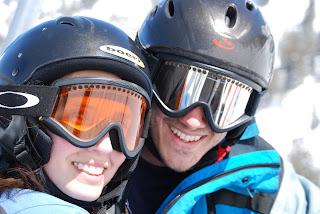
{"points": [[75, 102]]}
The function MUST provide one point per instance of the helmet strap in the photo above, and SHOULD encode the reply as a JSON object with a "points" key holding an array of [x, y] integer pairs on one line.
{"points": [[23, 155], [13, 141], [114, 209], [13, 133], [152, 148], [234, 135]]}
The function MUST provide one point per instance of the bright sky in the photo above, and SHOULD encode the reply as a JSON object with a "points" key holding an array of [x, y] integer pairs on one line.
{"points": [[281, 15]]}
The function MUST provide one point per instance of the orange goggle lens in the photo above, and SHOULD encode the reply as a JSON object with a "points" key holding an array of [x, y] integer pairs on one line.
{"points": [[86, 109]]}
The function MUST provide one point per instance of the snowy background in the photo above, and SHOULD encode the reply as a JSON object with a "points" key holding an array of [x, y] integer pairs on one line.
{"points": [[288, 120]]}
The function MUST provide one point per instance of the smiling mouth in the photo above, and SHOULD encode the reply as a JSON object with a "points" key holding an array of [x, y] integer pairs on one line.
{"points": [[92, 170], [186, 138]]}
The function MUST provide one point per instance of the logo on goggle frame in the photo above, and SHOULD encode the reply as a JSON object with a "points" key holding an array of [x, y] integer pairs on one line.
{"points": [[31, 100], [123, 53]]}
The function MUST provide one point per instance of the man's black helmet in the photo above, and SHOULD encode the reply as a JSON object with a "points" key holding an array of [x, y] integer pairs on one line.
{"points": [[226, 42], [224, 33]]}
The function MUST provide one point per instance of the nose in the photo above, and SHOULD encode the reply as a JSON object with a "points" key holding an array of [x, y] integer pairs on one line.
{"points": [[104, 146], [194, 119]]}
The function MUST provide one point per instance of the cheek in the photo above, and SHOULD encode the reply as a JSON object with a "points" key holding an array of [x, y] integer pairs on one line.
{"points": [[117, 158], [61, 147], [216, 139], [156, 122], [58, 162]]}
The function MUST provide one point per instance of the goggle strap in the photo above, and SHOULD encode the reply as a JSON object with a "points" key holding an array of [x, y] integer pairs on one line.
{"points": [[234, 135], [253, 102], [146, 125], [27, 100], [152, 62]]}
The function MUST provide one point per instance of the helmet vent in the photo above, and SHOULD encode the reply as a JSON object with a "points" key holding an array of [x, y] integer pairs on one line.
{"points": [[154, 11], [170, 7], [66, 23], [231, 16], [249, 5], [15, 72]]}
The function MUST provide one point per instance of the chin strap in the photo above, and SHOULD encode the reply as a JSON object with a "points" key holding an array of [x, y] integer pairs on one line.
{"points": [[232, 138], [114, 209], [17, 145], [13, 133], [152, 148], [222, 152]]}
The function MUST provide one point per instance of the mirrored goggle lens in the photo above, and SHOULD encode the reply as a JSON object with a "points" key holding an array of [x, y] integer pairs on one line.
{"points": [[179, 86], [87, 109]]}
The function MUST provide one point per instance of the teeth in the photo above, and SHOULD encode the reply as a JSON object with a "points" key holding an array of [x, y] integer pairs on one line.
{"points": [[89, 169], [183, 136]]}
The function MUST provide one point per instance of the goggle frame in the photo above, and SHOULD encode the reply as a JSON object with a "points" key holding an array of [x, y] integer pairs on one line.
{"points": [[58, 129]]}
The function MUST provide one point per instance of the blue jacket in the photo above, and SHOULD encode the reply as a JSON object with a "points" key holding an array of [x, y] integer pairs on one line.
{"points": [[247, 181], [23, 201]]}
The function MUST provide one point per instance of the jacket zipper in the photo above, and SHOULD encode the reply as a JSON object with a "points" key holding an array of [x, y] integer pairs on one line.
{"points": [[215, 177]]}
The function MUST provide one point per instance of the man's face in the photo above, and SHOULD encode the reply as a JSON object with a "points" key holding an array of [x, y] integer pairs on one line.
{"points": [[182, 141]]}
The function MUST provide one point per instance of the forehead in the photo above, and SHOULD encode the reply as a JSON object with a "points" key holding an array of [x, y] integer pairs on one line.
{"points": [[91, 73]]}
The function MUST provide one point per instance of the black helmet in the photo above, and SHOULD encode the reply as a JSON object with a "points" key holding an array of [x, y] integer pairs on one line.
{"points": [[224, 33], [48, 52], [58, 47], [217, 54], [226, 41]]}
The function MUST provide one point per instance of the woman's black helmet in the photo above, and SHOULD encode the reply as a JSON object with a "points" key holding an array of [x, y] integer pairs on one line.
{"points": [[48, 52], [58, 47]]}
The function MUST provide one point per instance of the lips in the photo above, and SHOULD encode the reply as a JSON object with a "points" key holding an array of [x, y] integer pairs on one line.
{"points": [[185, 137], [92, 170]]}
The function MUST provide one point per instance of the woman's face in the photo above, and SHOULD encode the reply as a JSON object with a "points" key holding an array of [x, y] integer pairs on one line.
{"points": [[82, 173]]}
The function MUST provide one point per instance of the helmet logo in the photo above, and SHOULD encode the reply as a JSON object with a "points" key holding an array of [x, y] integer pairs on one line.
{"points": [[123, 53], [29, 101], [229, 46]]}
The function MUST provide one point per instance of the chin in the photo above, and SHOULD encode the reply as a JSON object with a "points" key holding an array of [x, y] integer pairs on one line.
{"points": [[179, 167]]}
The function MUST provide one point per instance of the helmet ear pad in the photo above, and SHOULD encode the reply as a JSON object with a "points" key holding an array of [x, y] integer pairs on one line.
{"points": [[23, 139], [39, 139]]}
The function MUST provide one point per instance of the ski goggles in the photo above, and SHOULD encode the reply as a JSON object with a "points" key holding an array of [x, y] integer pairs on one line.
{"points": [[179, 88], [86, 109]]}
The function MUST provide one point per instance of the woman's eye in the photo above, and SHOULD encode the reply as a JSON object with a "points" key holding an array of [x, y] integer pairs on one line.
{"points": [[120, 118]]}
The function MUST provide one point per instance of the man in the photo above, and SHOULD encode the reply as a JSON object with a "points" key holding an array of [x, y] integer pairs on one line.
{"points": [[211, 61]]}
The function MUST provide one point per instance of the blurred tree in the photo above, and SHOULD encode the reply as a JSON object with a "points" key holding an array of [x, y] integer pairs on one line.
{"points": [[25, 16], [75, 6], [298, 48], [302, 161]]}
